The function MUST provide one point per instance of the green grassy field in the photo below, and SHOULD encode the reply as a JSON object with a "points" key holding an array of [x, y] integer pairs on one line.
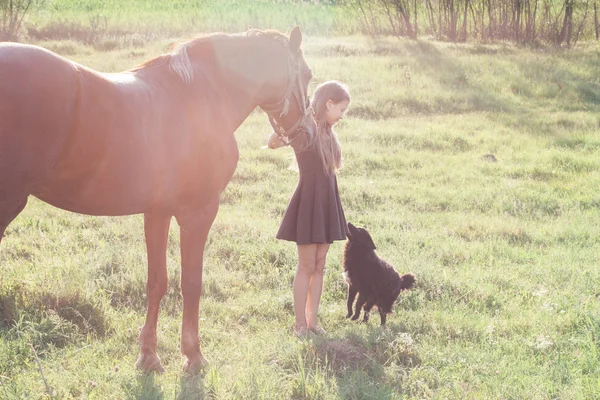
{"points": [[104, 23], [505, 248]]}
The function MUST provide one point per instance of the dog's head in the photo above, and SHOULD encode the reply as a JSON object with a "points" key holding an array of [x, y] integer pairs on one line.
{"points": [[359, 237]]}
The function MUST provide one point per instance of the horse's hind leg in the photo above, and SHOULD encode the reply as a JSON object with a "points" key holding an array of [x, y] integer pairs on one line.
{"points": [[156, 228], [9, 209]]}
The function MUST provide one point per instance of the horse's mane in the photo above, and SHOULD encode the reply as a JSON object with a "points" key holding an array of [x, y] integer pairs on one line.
{"points": [[178, 57]]}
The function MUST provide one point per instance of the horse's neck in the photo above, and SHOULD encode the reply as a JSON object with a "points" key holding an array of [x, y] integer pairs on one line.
{"points": [[242, 74], [225, 76], [240, 100]]}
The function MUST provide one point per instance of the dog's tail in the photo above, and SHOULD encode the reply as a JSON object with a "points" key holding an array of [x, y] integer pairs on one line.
{"points": [[407, 281]]}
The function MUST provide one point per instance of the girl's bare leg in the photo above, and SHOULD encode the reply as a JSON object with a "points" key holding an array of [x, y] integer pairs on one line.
{"points": [[315, 287], [307, 255]]}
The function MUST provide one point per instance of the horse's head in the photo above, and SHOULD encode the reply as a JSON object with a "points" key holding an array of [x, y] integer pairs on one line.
{"points": [[286, 101]]}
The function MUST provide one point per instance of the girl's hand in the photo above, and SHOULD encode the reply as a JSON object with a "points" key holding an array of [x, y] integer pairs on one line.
{"points": [[274, 142]]}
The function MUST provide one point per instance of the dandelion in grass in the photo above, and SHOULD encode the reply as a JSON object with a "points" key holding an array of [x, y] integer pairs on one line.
{"points": [[407, 75], [403, 340], [542, 342]]}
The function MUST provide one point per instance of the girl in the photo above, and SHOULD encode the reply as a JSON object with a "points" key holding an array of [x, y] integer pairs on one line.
{"points": [[314, 217]]}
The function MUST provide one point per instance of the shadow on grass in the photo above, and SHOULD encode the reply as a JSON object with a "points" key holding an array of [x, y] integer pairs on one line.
{"points": [[449, 72], [192, 388], [146, 388], [567, 86], [369, 364]]}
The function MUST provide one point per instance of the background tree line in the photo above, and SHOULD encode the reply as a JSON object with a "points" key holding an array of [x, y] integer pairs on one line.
{"points": [[559, 22], [523, 21]]}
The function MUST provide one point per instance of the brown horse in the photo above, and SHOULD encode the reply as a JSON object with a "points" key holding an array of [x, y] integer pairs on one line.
{"points": [[157, 139]]}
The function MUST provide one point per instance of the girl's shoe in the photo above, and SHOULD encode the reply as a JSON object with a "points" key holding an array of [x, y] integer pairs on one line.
{"points": [[301, 332], [318, 330]]}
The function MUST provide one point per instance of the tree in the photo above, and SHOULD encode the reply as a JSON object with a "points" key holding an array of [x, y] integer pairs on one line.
{"points": [[567, 26], [560, 22], [13, 13]]}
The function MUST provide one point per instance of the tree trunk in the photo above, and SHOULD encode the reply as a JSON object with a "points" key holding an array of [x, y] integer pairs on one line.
{"points": [[416, 24], [596, 21], [517, 20], [431, 16], [582, 23], [475, 29], [528, 21], [569, 21], [483, 21], [388, 12], [465, 19], [491, 20], [564, 31], [453, 20], [533, 33]]}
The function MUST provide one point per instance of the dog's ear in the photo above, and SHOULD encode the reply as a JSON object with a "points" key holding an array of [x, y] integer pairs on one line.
{"points": [[365, 239], [362, 237], [369, 241]]}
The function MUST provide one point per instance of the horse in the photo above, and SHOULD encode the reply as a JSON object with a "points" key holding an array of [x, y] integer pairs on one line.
{"points": [[157, 139]]}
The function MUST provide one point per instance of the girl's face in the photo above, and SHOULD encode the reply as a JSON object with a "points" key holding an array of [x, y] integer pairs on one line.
{"points": [[335, 111]]}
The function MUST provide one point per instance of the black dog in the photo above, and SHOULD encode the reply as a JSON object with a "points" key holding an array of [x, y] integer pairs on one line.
{"points": [[375, 281]]}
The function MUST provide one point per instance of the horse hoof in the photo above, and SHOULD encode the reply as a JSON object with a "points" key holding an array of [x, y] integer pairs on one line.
{"points": [[193, 366], [149, 363]]}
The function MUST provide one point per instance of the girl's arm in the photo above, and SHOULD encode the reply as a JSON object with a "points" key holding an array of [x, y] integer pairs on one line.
{"points": [[274, 142]]}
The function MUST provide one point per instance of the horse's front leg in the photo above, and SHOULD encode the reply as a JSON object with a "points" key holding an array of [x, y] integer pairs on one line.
{"points": [[156, 228], [195, 225]]}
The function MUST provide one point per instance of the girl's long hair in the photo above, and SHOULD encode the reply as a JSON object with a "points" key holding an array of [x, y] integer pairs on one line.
{"points": [[326, 141]]}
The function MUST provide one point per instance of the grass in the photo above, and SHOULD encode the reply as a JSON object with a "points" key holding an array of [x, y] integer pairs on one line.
{"points": [[504, 248], [109, 23]]}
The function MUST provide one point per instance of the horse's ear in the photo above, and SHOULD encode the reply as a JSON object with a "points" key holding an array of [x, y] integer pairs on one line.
{"points": [[295, 39]]}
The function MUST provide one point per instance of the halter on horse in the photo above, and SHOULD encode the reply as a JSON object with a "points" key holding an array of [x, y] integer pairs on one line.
{"points": [[157, 139], [281, 108]]}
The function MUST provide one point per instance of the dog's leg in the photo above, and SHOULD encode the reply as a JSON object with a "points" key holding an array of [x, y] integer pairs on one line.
{"points": [[368, 306], [383, 316], [351, 296], [359, 304]]}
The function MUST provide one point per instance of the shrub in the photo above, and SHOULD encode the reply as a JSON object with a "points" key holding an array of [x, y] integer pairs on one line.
{"points": [[13, 13]]}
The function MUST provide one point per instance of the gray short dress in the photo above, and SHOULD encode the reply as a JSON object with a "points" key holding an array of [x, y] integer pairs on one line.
{"points": [[314, 214]]}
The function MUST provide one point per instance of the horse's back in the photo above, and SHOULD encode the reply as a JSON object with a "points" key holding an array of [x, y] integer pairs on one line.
{"points": [[38, 92], [107, 144], [33, 74]]}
